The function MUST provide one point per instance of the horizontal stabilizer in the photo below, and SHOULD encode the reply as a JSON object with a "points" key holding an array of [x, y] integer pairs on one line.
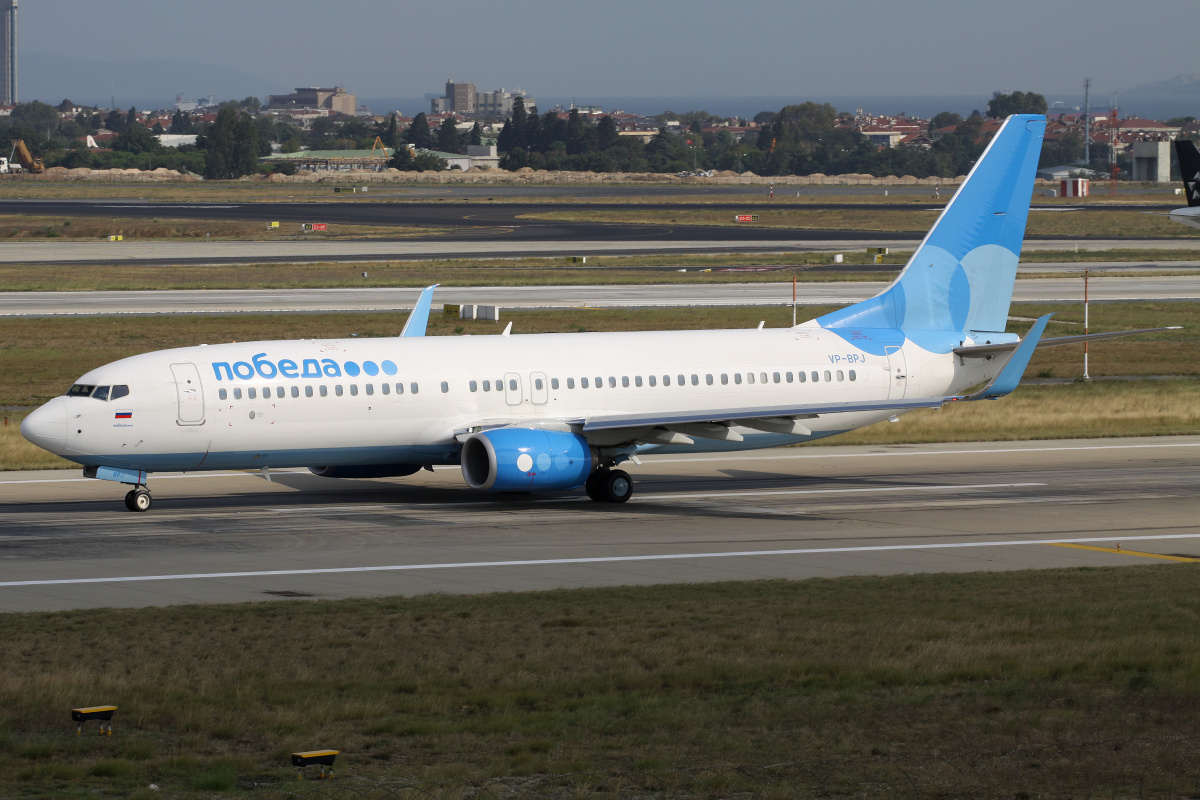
{"points": [[1014, 368], [989, 350]]}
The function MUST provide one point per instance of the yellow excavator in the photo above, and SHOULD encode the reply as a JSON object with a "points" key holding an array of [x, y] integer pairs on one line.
{"points": [[22, 154]]}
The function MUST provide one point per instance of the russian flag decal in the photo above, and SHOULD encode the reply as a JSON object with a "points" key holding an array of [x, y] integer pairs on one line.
{"points": [[123, 415]]}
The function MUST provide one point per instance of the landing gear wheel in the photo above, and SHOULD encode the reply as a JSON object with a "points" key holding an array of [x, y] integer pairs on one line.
{"points": [[592, 486], [138, 500], [615, 486]]}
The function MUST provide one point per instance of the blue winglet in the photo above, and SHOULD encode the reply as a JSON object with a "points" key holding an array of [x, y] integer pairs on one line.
{"points": [[418, 320], [1014, 368]]}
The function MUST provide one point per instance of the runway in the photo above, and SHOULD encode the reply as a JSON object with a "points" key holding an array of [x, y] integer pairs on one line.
{"points": [[216, 301], [513, 242], [791, 513]]}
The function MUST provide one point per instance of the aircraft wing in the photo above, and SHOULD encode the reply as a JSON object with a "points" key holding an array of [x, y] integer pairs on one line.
{"points": [[418, 320], [777, 418]]}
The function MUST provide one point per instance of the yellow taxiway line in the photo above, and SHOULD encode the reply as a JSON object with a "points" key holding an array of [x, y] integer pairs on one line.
{"points": [[1120, 552]]}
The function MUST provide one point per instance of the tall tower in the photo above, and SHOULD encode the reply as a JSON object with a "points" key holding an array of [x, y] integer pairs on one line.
{"points": [[8, 52]]}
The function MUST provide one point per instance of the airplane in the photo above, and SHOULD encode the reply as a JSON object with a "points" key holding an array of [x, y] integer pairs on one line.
{"points": [[1189, 172], [521, 413]]}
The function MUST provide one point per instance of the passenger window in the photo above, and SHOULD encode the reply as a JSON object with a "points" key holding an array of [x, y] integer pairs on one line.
{"points": [[737, 377], [852, 375], [412, 387], [840, 376], [828, 377], [624, 382], [324, 391], [537, 383], [386, 387], [250, 394], [801, 377], [237, 394], [762, 377], [487, 386], [775, 376], [749, 377], [399, 388], [682, 382], [612, 382], [653, 381], [637, 380], [512, 384], [473, 386], [279, 391], [338, 390], [308, 391], [789, 377], [118, 391], [666, 380], [295, 391], [554, 383], [583, 383], [370, 388], [222, 394], [101, 393], [599, 382], [354, 390], [445, 387], [815, 376], [266, 392], [708, 379], [724, 378], [695, 379], [570, 383]]}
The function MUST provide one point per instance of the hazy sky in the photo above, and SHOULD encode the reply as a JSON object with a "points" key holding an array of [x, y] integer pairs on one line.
{"points": [[642, 47]]}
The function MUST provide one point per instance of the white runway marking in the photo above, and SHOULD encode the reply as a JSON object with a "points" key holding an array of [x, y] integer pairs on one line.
{"points": [[736, 493], [596, 560]]}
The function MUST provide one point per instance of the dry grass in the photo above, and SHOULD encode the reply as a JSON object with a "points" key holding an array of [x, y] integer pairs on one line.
{"points": [[850, 676], [27, 226], [1093, 222]]}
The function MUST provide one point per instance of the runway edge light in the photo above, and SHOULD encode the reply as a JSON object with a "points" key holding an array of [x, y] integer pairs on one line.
{"points": [[102, 713], [322, 758]]}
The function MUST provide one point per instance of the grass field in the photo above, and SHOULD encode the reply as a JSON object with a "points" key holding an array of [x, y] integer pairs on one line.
{"points": [[1093, 222], [27, 226], [40, 358], [1055, 683]]}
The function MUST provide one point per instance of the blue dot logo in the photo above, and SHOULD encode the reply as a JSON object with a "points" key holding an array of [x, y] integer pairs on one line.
{"points": [[389, 367], [351, 369], [370, 368]]}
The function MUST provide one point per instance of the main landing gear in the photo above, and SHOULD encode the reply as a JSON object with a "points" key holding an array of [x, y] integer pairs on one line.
{"points": [[609, 485], [139, 499]]}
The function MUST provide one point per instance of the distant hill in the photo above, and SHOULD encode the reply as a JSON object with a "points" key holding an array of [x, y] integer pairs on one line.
{"points": [[1179, 86], [145, 84]]}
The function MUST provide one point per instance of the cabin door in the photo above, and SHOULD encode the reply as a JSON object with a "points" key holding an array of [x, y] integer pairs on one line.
{"points": [[189, 393]]}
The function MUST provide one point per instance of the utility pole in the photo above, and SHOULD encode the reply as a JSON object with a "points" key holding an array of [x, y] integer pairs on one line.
{"points": [[1086, 273], [1087, 122]]}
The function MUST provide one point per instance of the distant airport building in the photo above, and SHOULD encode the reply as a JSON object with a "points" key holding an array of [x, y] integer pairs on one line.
{"points": [[8, 52], [335, 101], [462, 98]]}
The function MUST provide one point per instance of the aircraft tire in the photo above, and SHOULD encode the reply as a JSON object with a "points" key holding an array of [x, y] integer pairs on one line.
{"points": [[592, 486], [138, 500], [616, 486]]}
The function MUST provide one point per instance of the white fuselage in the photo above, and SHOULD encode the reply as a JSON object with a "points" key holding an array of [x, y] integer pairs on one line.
{"points": [[404, 400]]}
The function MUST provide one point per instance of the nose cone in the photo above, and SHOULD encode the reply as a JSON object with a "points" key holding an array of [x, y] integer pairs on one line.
{"points": [[47, 426]]}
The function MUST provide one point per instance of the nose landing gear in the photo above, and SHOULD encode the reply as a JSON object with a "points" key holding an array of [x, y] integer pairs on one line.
{"points": [[139, 499]]}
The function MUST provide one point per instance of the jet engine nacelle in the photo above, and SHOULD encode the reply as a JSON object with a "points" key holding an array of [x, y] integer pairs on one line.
{"points": [[366, 471], [525, 459]]}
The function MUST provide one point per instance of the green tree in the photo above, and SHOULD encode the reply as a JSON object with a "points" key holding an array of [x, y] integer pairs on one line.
{"points": [[418, 133], [132, 117], [606, 133], [246, 149], [221, 147], [115, 121], [136, 139], [944, 119], [391, 134], [476, 134], [1002, 105], [519, 120], [37, 115], [447, 136], [402, 159]]}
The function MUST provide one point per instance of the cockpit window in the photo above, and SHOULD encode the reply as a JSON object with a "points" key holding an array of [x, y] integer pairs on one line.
{"points": [[101, 393], [81, 390], [119, 390]]}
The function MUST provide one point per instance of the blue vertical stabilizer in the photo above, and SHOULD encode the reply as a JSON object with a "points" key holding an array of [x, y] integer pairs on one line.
{"points": [[961, 276]]}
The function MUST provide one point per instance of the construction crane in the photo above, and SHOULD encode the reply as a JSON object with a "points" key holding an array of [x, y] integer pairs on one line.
{"points": [[22, 154]]}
